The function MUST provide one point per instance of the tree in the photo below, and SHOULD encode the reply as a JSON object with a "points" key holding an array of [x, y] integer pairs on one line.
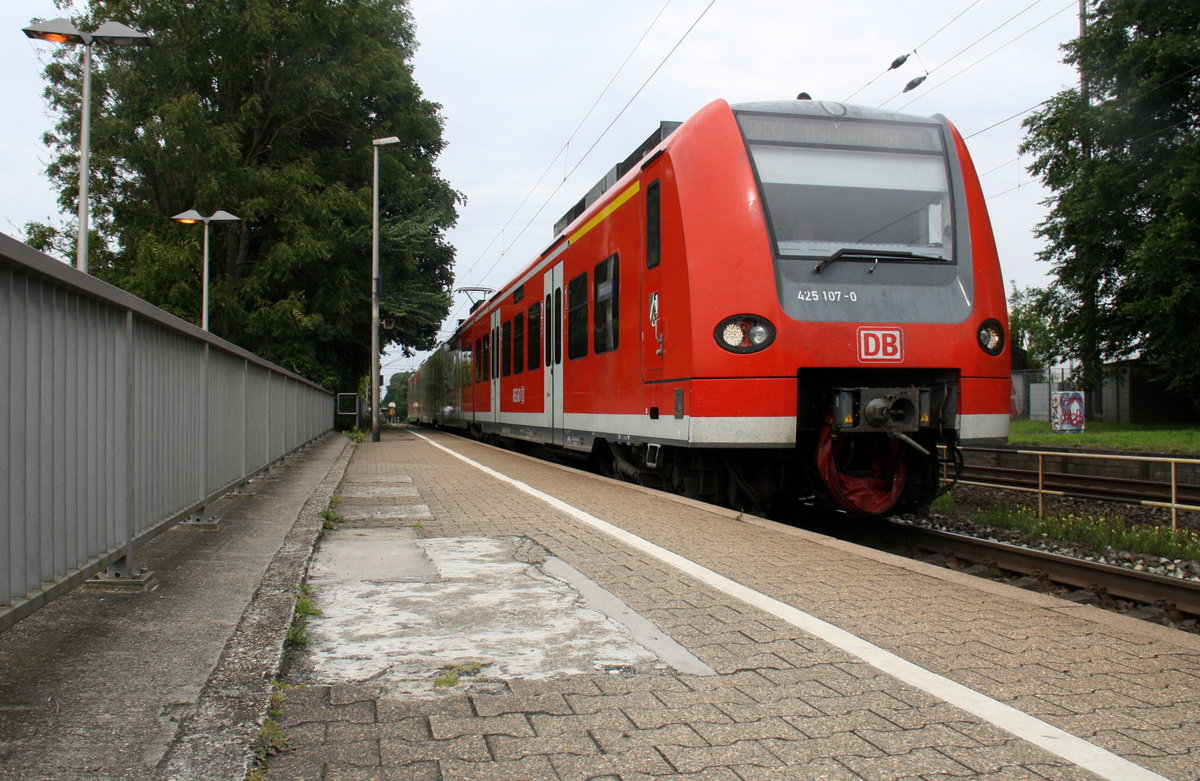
{"points": [[267, 109], [1122, 158], [1029, 328], [397, 392]]}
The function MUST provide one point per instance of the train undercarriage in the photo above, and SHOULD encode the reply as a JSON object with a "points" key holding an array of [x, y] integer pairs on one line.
{"points": [[865, 450]]}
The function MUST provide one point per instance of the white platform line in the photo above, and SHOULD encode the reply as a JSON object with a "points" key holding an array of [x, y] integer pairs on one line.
{"points": [[1029, 728]]}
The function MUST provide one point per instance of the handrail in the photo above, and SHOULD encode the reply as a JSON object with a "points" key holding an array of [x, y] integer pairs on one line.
{"points": [[1174, 462], [1174, 505], [118, 420]]}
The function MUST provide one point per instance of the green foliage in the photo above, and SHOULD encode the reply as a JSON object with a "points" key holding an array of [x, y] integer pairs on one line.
{"points": [[1123, 162], [271, 740], [452, 673], [331, 518], [305, 607], [1099, 533], [297, 634], [1146, 438], [397, 391], [943, 505], [266, 110], [1029, 327]]}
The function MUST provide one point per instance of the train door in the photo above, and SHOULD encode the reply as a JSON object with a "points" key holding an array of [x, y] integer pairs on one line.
{"points": [[494, 336], [552, 377], [653, 324]]}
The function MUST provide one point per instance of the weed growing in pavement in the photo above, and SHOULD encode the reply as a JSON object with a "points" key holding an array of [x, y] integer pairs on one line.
{"points": [[1101, 533], [305, 607], [297, 634], [414, 526], [279, 690], [453, 672], [356, 436], [331, 518], [271, 740]]}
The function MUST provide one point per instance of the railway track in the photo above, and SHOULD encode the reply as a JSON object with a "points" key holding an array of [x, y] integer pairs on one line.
{"points": [[1178, 598]]}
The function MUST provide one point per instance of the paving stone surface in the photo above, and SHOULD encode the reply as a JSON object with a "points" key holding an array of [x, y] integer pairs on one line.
{"points": [[782, 703]]}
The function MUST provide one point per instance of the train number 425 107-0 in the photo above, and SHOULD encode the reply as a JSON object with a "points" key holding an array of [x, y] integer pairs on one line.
{"points": [[835, 296]]}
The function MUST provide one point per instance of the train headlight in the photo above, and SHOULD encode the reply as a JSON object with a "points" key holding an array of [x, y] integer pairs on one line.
{"points": [[744, 333], [991, 337]]}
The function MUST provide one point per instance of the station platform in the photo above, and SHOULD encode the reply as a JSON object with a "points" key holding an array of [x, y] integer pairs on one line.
{"points": [[485, 615], [823, 660]]}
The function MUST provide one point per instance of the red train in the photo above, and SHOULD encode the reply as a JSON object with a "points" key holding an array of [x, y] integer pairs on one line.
{"points": [[770, 303]]}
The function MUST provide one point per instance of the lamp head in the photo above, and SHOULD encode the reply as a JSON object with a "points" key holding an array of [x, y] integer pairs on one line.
{"points": [[189, 217], [55, 31], [117, 34]]}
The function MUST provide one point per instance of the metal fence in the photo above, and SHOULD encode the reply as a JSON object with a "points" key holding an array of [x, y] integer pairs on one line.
{"points": [[116, 421]]}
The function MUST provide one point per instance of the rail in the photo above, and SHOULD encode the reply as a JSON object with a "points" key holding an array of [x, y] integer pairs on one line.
{"points": [[1042, 489], [117, 420], [1175, 595]]}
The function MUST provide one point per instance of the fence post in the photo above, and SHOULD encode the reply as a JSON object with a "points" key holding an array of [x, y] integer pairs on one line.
{"points": [[1041, 485], [121, 569]]}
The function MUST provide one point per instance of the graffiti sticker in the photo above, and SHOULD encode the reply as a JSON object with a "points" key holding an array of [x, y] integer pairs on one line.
{"points": [[1067, 412]]}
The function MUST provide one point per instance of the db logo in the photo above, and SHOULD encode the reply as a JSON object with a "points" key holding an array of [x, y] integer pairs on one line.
{"points": [[880, 344]]}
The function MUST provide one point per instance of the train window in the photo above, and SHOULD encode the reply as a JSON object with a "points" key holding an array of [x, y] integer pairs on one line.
{"points": [[558, 318], [466, 365], [478, 362], [506, 348], [606, 297], [519, 294], [518, 353], [653, 225], [577, 316], [535, 335], [829, 188]]}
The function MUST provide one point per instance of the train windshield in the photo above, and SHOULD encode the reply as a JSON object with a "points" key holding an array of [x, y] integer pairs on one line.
{"points": [[844, 187]]}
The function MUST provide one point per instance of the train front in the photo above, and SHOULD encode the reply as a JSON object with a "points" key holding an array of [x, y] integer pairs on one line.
{"points": [[890, 305]]}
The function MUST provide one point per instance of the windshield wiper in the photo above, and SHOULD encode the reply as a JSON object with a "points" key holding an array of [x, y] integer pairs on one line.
{"points": [[868, 254]]}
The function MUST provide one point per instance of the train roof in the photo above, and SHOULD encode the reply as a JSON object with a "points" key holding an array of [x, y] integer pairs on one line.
{"points": [[822, 108], [615, 173], [829, 108]]}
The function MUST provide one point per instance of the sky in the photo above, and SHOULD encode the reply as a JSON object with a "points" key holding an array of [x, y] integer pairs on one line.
{"points": [[540, 98]]}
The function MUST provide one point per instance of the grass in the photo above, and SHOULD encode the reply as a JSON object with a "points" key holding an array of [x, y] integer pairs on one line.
{"points": [[1175, 439], [331, 518], [453, 672], [271, 740], [1099, 533], [297, 634]]}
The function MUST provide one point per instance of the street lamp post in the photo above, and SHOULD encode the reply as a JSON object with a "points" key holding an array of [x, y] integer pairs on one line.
{"points": [[113, 34], [376, 283], [191, 217]]}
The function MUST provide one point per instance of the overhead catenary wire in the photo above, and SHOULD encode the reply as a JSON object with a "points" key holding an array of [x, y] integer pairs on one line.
{"points": [[446, 332], [562, 152], [604, 133], [896, 63], [981, 59], [972, 45]]}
